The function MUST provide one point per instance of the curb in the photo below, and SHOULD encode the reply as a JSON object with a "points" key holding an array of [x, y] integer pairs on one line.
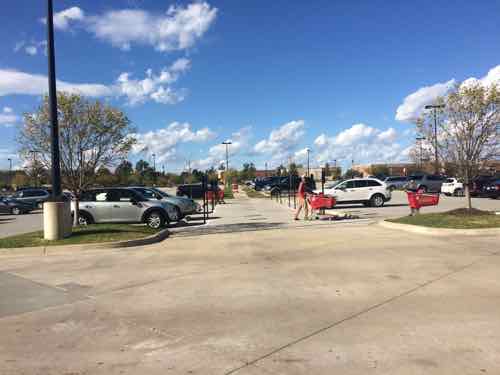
{"points": [[61, 249], [440, 231]]}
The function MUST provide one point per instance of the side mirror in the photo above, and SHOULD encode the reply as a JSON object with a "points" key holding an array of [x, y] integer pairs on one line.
{"points": [[134, 202]]}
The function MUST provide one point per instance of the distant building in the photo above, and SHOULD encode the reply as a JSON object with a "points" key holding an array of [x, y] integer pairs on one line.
{"points": [[395, 169]]}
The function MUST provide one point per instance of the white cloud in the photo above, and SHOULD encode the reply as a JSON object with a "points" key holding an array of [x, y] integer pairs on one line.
{"points": [[154, 87], [179, 28], [388, 135], [13, 82], [492, 77], [19, 45], [7, 117], [282, 141], [63, 18], [361, 143], [414, 103], [163, 142], [217, 154], [31, 48]]}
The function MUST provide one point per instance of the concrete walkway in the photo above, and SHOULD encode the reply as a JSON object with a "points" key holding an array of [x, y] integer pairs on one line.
{"points": [[335, 299], [246, 214]]}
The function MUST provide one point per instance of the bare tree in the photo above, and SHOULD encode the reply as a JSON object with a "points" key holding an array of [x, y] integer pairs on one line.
{"points": [[92, 135], [468, 131]]}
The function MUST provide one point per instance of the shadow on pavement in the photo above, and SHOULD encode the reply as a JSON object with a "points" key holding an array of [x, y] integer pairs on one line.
{"points": [[228, 228]]}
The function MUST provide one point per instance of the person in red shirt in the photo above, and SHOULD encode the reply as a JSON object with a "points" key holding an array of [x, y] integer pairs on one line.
{"points": [[302, 201]]}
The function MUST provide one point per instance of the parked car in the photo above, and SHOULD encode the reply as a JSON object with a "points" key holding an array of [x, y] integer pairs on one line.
{"points": [[193, 191], [267, 182], [451, 186], [14, 207], [283, 183], [184, 206], [492, 190], [368, 191], [123, 205], [396, 182], [428, 182], [35, 197], [480, 183]]}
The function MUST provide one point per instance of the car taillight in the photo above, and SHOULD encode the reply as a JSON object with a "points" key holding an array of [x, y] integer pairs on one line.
{"points": [[498, 187]]}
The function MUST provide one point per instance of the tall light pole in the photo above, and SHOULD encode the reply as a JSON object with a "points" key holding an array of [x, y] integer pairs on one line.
{"points": [[227, 143], [308, 169], [55, 158], [154, 168], [265, 172], [10, 172], [435, 107], [56, 212]]}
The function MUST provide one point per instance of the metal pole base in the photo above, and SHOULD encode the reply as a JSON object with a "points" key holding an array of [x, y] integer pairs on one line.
{"points": [[57, 223]]}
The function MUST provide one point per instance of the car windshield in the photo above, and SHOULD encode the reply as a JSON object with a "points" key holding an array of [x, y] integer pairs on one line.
{"points": [[148, 193], [162, 193]]}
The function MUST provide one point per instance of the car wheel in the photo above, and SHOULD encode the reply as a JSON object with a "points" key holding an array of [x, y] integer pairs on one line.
{"points": [[16, 211], [155, 220], [377, 200], [459, 192], [84, 219]]}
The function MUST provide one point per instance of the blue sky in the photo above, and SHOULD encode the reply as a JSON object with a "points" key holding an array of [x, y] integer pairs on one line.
{"points": [[344, 78]]}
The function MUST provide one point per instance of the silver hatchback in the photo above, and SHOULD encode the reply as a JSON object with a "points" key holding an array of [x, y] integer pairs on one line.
{"points": [[122, 205]]}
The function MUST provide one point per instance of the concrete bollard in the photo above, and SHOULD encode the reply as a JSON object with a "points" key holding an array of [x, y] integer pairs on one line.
{"points": [[56, 220]]}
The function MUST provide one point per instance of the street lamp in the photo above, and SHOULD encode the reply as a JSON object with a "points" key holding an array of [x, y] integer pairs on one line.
{"points": [[56, 213], [227, 143], [435, 107], [154, 168], [10, 172]]}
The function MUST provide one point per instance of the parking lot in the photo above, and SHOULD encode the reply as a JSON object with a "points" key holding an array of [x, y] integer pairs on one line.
{"points": [[292, 299], [267, 210]]}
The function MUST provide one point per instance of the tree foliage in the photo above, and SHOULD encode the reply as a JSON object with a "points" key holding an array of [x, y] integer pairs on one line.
{"points": [[468, 130], [92, 135]]}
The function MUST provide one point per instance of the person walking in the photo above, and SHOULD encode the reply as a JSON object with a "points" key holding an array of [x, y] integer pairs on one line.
{"points": [[302, 201]]}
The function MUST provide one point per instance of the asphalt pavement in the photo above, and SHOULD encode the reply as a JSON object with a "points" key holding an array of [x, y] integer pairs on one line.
{"points": [[267, 211], [319, 300], [11, 225]]}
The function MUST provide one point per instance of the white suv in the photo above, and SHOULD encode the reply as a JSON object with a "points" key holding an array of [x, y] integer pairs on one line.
{"points": [[452, 187], [368, 191]]}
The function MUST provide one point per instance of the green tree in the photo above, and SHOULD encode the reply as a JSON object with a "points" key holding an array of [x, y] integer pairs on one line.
{"points": [[124, 172], [468, 130], [104, 177], [144, 172], [351, 173], [92, 134], [381, 170]]}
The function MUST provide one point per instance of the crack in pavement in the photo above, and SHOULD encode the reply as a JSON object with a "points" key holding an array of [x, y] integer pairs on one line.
{"points": [[255, 361]]}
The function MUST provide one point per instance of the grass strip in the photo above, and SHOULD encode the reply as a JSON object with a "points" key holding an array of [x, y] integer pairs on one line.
{"points": [[94, 233]]}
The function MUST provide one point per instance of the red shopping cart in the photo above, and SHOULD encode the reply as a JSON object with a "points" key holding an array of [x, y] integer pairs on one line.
{"points": [[320, 201], [417, 200]]}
